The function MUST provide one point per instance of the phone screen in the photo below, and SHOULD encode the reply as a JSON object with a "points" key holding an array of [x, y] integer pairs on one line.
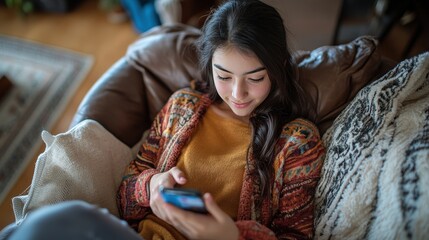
{"points": [[186, 199]]}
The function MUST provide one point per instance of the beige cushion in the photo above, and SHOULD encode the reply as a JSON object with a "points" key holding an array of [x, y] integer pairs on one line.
{"points": [[85, 163]]}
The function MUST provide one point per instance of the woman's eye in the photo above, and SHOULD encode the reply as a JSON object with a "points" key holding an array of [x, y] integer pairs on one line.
{"points": [[256, 79], [222, 78]]}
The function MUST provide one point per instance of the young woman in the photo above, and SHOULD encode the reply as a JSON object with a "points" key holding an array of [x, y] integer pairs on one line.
{"points": [[238, 137]]}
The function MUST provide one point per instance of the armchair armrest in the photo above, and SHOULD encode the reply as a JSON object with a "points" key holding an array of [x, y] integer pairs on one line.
{"points": [[118, 102]]}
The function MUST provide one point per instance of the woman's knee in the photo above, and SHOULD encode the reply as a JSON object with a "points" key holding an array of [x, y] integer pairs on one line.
{"points": [[69, 210], [67, 220]]}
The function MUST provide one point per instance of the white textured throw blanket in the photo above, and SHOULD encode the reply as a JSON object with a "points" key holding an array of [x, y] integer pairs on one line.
{"points": [[85, 163], [375, 179]]}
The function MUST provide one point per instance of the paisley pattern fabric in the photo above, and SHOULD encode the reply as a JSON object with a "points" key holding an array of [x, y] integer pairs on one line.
{"points": [[375, 179]]}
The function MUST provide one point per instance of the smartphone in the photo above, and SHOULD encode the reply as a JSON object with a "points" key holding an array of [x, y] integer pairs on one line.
{"points": [[187, 199]]}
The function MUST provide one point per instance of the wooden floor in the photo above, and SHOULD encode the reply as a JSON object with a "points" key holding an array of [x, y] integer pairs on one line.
{"points": [[85, 29]]}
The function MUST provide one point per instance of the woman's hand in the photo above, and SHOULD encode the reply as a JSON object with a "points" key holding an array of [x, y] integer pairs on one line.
{"points": [[167, 179], [215, 225]]}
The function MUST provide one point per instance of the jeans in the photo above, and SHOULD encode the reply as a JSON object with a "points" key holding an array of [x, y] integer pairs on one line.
{"points": [[72, 220]]}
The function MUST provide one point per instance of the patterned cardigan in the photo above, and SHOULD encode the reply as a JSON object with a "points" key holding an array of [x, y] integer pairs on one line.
{"points": [[287, 214]]}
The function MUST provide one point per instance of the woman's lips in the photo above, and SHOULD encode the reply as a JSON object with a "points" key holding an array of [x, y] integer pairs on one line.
{"points": [[240, 105]]}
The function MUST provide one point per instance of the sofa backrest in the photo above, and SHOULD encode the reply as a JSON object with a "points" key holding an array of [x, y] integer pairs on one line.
{"points": [[163, 60]]}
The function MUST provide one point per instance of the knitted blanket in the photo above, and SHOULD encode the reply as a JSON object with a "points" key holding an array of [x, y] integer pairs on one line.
{"points": [[375, 179]]}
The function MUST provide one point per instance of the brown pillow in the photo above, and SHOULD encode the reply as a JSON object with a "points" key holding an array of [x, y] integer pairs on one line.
{"points": [[332, 75], [167, 60]]}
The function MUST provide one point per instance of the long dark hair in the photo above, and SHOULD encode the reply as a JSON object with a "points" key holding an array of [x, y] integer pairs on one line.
{"points": [[255, 27]]}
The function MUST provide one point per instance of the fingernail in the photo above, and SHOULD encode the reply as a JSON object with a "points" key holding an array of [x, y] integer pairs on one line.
{"points": [[207, 196]]}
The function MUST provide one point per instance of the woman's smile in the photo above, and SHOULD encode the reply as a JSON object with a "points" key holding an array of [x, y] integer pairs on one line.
{"points": [[240, 80], [241, 105]]}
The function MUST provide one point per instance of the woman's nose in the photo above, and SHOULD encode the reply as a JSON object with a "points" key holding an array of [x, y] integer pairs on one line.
{"points": [[239, 90]]}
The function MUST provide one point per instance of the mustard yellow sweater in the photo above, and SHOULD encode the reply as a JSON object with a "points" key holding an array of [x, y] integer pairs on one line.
{"points": [[215, 157]]}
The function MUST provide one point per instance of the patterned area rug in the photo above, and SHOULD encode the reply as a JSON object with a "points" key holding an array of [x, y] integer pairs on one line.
{"points": [[44, 79]]}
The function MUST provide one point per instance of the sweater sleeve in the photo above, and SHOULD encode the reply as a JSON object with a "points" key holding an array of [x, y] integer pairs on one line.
{"points": [[303, 155], [254, 230], [133, 194], [300, 161]]}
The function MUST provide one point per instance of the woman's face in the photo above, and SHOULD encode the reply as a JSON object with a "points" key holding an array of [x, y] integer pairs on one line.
{"points": [[240, 80]]}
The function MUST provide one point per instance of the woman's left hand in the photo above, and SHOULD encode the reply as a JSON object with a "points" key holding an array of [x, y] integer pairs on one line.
{"points": [[215, 225]]}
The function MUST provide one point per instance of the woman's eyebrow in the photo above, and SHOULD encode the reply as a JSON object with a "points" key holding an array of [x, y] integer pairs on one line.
{"points": [[249, 72]]}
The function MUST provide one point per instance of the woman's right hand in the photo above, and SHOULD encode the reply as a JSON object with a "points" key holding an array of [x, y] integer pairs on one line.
{"points": [[167, 179]]}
